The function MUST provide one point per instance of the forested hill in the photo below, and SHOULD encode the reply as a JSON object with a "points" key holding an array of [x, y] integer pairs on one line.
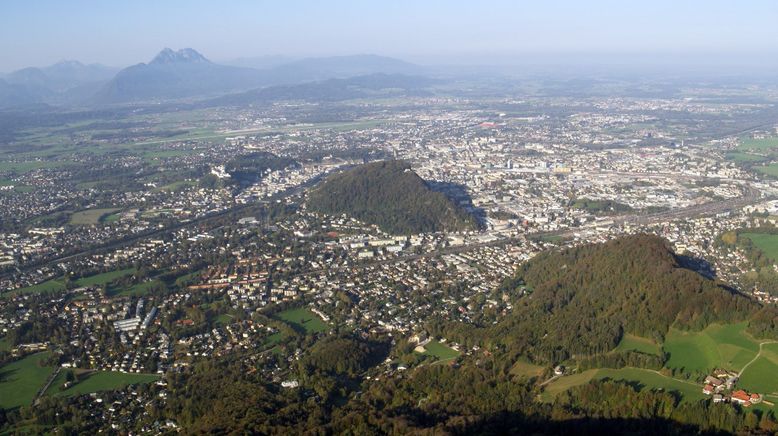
{"points": [[584, 299], [392, 196]]}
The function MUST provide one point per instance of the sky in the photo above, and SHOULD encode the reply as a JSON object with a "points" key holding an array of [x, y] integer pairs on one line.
{"points": [[121, 33]]}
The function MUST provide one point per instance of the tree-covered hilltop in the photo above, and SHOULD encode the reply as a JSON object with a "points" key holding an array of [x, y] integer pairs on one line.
{"points": [[392, 196], [584, 299]]}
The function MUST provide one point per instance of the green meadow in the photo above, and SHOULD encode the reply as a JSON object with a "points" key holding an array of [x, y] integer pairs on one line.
{"points": [[718, 346], [636, 343], [764, 144], [21, 380], [527, 369], [645, 378], [90, 216], [441, 351], [303, 319], [97, 381], [765, 242]]}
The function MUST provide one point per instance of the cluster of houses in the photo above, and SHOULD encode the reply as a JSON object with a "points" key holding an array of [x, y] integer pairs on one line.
{"points": [[720, 386]]}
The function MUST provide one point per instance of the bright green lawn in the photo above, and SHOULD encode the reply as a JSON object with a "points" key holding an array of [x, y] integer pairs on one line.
{"points": [[21, 380], [303, 318], [765, 242], [636, 343], [441, 351], [98, 381]]}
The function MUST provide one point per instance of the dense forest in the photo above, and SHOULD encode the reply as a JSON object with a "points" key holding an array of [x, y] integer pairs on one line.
{"points": [[389, 194]]}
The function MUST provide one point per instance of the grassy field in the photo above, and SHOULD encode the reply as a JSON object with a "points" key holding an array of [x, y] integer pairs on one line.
{"points": [[303, 319], [90, 216], [770, 170], [98, 381], [21, 380], [645, 378], [762, 375], [104, 278], [745, 157], [56, 285], [637, 343], [526, 369], [27, 166], [441, 351], [765, 144], [718, 346], [765, 242], [224, 319], [136, 290], [49, 286]]}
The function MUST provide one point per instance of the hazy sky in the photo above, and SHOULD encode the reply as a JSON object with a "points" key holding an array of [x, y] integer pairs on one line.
{"points": [[120, 33]]}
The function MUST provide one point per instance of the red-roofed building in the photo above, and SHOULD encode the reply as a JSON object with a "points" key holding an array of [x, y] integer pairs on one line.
{"points": [[741, 397]]}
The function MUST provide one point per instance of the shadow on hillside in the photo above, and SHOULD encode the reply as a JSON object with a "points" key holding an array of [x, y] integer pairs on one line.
{"points": [[514, 423], [697, 264], [459, 195], [7, 374]]}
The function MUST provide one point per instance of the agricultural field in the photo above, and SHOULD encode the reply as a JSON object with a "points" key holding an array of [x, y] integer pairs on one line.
{"points": [[90, 216], [725, 346], [441, 351], [718, 346], [762, 375], [636, 343], [765, 242], [647, 379], [741, 157], [21, 380], [765, 144], [97, 381], [303, 319]]}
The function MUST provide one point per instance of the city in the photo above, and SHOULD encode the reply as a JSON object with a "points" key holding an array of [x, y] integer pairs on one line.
{"points": [[302, 249]]}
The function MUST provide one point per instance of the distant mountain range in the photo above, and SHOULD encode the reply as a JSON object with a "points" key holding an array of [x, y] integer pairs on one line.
{"points": [[184, 74], [62, 83], [330, 90]]}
